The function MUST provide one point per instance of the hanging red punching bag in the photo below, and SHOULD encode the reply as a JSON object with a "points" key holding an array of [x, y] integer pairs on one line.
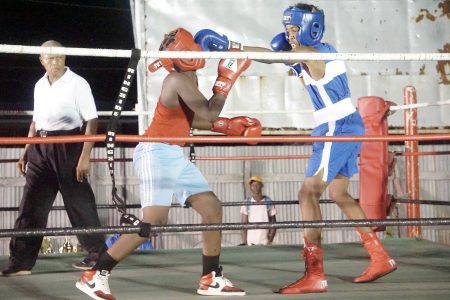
{"points": [[373, 161]]}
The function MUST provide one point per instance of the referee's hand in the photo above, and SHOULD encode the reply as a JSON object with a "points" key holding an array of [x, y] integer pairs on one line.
{"points": [[82, 170], [22, 164]]}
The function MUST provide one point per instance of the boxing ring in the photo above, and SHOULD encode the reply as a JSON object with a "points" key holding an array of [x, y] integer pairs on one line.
{"points": [[172, 274]]}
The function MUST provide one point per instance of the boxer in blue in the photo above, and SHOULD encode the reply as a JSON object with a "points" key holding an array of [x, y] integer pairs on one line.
{"points": [[332, 163]]}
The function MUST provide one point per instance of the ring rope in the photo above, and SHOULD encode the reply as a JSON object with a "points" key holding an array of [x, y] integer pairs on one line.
{"points": [[239, 112], [424, 202], [221, 139], [242, 203], [305, 111], [224, 226], [424, 153], [259, 157], [344, 56], [20, 49], [236, 203], [417, 105]]}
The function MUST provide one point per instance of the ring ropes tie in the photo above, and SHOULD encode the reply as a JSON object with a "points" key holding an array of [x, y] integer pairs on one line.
{"points": [[110, 141], [192, 147]]}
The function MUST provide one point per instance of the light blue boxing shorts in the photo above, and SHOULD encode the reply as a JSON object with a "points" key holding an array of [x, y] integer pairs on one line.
{"points": [[336, 157], [164, 171]]}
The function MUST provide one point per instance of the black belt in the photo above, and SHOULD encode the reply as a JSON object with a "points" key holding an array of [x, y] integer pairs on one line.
{"points": [[44, 133]]}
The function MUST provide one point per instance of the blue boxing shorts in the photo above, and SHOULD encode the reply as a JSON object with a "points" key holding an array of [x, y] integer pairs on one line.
{"points": [[336, 157], [164, 171]]}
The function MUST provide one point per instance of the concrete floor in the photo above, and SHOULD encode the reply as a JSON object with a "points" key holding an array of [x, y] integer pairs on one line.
{"points": [[423, 273]]}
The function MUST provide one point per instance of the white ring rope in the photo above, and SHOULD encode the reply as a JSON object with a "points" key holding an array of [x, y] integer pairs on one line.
{"points": [[303, 111], [234, 112], [283, 56], [417, 105], [19, 49]]}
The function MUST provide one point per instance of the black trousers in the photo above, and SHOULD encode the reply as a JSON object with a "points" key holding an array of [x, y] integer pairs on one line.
{"points": [[52, 168]]}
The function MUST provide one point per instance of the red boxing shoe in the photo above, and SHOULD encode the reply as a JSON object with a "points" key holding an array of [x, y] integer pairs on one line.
{"points": [[381, 263], [313, 281]]}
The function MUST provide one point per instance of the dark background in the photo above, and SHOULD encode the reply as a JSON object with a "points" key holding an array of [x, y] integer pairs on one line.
{"points": [[76, 23]]}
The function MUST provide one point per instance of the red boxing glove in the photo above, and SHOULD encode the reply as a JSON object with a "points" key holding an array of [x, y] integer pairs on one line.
{"points": [[229, 70], [238, 126], [159, 63]]}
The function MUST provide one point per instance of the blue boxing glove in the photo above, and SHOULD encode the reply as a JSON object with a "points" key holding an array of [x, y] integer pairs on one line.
{"points": [[296, 69], [280, 43], [210, 40]]}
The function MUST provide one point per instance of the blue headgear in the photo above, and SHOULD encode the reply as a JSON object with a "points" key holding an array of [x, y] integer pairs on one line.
{"points": [[312, 24]]}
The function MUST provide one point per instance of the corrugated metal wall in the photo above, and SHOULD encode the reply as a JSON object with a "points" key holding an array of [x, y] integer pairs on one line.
{"points": [[282, 181], [351, 26]]}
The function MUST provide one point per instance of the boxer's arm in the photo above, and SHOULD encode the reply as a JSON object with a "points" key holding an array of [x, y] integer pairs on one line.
{"points": [[260, 49], [279, 43], [200, 123], [316, 67], [238, 126], [228, 72], [274, 61], [177, 85]]}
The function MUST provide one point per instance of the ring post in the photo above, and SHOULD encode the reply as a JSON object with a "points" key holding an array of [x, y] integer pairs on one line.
{"points": [[373, 160], [412, 162]]}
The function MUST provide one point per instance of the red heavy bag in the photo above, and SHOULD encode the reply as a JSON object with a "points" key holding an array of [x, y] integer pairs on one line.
{"points": [[373, 161]]}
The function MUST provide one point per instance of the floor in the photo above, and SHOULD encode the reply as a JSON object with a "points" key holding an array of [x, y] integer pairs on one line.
{"points": [[423, 273]]}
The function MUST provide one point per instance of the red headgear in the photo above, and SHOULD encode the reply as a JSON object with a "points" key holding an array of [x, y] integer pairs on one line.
{"points": [[178, 40]]}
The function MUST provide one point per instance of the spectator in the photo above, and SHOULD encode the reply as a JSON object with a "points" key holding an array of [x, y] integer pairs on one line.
{"points": [[259, 208]]}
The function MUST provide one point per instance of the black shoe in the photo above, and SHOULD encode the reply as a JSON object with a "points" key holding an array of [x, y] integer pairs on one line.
{"points": [[85, 264], [15, 271]]}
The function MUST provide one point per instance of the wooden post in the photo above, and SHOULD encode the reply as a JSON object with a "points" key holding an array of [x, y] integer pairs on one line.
{"points": [[412, 162]]}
